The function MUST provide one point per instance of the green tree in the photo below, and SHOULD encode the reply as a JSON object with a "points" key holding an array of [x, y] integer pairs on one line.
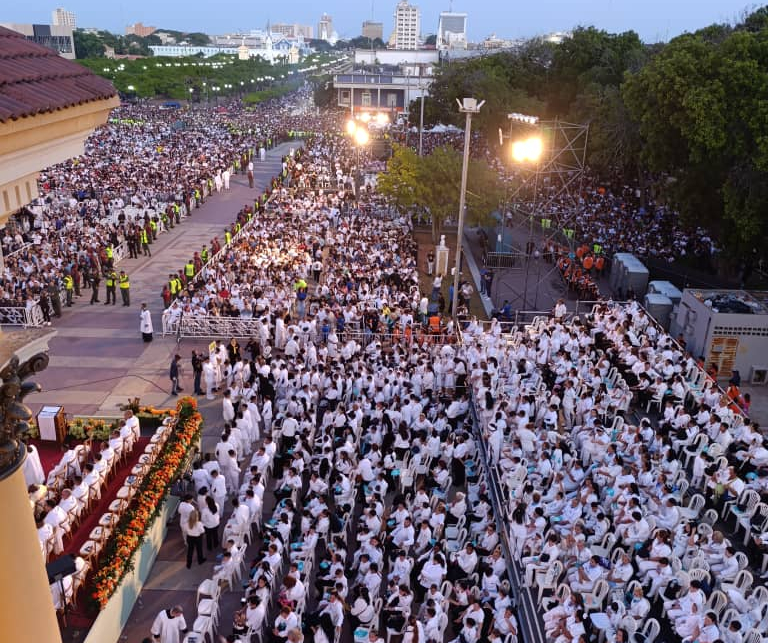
{"points": [[197, 39], [701, 107], [87, 45], [590, 56], [432, 183], [362, 42], [324, 94]]}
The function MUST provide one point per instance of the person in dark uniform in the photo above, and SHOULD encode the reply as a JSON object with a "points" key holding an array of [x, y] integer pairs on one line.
{"points": [[94, 280]]}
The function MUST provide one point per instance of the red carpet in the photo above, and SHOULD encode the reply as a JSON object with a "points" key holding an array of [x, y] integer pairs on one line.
{"points": [[108, 494], [81, 617]]}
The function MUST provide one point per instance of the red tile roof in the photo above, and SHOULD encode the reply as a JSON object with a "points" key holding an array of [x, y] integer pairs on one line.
{"points": [[36, 80]]}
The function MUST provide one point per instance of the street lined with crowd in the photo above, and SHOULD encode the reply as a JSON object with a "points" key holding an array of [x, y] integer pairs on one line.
{"points": [[140, 175]]}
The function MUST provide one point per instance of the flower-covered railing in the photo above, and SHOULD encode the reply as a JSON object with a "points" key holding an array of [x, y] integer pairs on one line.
{"points": [[116, 559]]}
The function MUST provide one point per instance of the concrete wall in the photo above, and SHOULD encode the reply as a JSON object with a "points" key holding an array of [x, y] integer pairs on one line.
{"points": [[110, 622]]}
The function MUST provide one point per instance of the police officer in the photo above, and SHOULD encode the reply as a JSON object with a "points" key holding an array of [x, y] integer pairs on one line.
{"points": [[204, 255], [110, 256], [172, 285], [94, 280], [69, 286], [110, 280], [189, 270], [227, 236], [145, 243], [53, 293], [125, 288]]}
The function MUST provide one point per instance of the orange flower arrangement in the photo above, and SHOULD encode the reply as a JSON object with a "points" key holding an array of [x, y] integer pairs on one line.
{"points": [[117, 556]]}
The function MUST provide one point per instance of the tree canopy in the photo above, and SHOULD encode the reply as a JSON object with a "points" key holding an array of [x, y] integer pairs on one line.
{"points": [[690, 114], [432, 184]]}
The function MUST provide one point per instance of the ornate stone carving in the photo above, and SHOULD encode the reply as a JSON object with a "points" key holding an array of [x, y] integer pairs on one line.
{"points": [[14, 414]]}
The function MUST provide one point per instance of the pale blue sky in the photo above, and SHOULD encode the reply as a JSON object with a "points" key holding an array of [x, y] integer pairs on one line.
{"points": [[654, 20]]}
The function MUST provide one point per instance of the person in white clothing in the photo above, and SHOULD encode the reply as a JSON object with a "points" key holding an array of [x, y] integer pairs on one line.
{"points": [[33, 470], [209, 375], [169, 625], [228, 409], [145, 323]]}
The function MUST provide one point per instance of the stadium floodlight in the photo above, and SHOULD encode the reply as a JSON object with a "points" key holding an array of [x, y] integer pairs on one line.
{"points": [[523, 118], [528, 150], [361, 136]]}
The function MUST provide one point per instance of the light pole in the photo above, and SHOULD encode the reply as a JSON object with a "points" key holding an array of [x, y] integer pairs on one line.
{"points": [[469, 106]]}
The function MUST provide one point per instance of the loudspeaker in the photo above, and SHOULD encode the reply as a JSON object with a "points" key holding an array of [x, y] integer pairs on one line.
{"points": [[60, 568]]}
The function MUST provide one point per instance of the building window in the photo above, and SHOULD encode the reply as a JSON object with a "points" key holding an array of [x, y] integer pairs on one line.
{"points": [[344, 98], [366, 99], [391, 99]]}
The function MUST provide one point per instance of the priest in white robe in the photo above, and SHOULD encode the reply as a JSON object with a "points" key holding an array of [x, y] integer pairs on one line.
{"points": [[169, 625]]}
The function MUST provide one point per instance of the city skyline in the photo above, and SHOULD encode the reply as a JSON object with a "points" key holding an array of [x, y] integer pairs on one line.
{"points": [[654, 20]]}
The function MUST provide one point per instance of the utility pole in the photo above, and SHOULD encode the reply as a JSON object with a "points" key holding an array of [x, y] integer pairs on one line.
{"points": [[421, 119], [469, 106]]}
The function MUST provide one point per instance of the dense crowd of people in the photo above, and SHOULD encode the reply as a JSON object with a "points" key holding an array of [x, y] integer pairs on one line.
{"points": [[620, 215], [383, 516], [139, 176], [383, 473], [628, 521]]}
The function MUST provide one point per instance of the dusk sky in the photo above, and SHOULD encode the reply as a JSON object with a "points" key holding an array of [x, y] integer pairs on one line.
{"points": [[654, 20]]}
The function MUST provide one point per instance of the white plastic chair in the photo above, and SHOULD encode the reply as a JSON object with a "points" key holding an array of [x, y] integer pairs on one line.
{"points": [[695, 505], [649, 631], [454, 544], [204, 626], [208, 588], [452, 531], [551, 578], [593, 601], [742, 583]]}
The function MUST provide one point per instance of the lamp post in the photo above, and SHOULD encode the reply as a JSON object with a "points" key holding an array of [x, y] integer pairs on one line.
{"points": [[469, 106]]}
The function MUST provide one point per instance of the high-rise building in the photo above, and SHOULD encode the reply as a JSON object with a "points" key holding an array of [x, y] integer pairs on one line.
{"points": [[452, 30], [373, 30], [139, 29], [407, 25], [63, 18], [325, 27]]}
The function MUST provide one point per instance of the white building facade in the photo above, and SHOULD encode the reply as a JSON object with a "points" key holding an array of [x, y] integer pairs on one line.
{"points": [[63, 18], [407, 26]]}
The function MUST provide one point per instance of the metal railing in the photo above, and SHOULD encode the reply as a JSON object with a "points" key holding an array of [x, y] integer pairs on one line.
{"points": [[528, 617], [210, 327], [31, 316], [502, 259], [119, 252]]}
